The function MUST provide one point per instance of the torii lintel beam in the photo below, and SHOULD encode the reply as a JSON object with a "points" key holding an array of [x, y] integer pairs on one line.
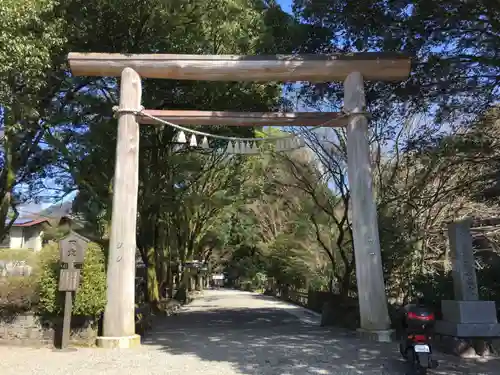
{"points": [[374, 66], [331, 119]]}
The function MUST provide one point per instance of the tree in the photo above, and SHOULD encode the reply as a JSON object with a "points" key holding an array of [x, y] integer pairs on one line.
{"points": [[453, 43], [477, 145], [29, 38], [272, 236], [175, 185], [425, 180], [321, 173]]}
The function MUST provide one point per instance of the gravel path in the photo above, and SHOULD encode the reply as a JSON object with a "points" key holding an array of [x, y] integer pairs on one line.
{"points": [[231, 332]]}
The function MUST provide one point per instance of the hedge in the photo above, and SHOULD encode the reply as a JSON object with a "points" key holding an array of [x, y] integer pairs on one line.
{"points": [[90, 298]]}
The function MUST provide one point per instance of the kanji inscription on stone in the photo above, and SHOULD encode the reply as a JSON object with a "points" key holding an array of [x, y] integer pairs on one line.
{"points": [[462, 254]]}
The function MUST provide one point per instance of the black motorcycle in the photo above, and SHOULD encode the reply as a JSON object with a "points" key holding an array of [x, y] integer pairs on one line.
{"points": [[415, 345]]}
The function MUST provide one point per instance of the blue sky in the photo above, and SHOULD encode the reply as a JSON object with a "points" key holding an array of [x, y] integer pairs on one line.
{"points": [[286, 5]]}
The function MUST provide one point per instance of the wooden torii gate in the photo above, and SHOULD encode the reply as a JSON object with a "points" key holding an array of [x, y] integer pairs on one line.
{"points": [[119, 327]]}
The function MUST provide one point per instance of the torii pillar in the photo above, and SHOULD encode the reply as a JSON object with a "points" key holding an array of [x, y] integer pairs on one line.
{"points": [[119, 330], [369, 272]]}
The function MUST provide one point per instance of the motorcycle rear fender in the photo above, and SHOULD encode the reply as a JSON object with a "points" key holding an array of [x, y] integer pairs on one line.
{"points": [[424, 359]]}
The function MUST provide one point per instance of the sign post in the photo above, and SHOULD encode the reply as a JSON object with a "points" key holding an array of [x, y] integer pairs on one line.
{"points": [[72, 254]]}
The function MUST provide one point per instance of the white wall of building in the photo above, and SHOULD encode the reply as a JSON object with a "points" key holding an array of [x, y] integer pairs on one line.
{"points": [[16, 238], [26, 238]]}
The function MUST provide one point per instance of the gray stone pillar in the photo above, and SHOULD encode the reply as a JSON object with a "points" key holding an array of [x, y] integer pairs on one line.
{"points": [[463, 262], [466, 316]]}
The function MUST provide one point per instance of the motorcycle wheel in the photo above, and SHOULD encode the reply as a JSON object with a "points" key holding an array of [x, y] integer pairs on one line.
{"points": [[415, 367], [417, 370]]}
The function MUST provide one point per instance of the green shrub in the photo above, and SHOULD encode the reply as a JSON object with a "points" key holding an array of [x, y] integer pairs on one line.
{"points": [[16, 254], [27, 255], [319, 282], [91, 295], [17, 294], [246, 285], [259, 281]]}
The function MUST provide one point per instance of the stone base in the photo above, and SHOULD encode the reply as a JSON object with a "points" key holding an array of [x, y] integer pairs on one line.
{"points": [[469, 311], [467, 329], [124, 342], [379, 336], [28, 329], [465, 347]]}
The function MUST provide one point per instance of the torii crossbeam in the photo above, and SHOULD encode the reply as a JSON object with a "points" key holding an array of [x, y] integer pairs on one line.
{"points": [[331, 119], [352, 69], [313, 68]]}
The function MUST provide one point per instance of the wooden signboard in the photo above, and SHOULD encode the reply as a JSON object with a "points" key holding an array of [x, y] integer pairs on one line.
{"points": [[72, 248], [69, 280], [72, 251]]}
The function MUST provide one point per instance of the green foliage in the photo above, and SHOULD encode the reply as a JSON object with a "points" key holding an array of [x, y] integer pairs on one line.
{"points": [[287, 264], [184, 197], [245, 263], [30, 37], [319, 282], [489, 285], [259, 281], [55, 233], [454, 45], [260, 217], [434, 288], [91, 296], [17, 294], [27, 255], [271, 233]]}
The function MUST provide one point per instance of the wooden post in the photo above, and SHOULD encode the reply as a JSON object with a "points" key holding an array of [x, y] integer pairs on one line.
{"points": [[68, 308], [119, 314], [371, 291], [72, 252]]}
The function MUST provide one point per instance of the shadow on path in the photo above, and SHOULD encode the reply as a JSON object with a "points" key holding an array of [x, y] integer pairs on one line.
{"points": [[269, 340]]}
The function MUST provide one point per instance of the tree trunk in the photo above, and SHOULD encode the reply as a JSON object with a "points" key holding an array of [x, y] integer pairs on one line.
{"points": [[161, 274], [182, 291], [152, 279], [175, 280], [170, 279], [197, 282], [330, 284], [345, 285], [191, 282]]}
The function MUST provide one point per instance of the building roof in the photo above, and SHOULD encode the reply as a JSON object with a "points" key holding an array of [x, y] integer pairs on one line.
{"points": [[51, 213], [29, 222]]}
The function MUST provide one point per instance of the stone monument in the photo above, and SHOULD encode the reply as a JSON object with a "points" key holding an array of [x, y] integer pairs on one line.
{"points": [[466, 316]]}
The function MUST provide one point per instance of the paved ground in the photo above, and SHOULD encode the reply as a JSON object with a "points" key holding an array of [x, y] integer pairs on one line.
{"points": [[228, 333]]}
